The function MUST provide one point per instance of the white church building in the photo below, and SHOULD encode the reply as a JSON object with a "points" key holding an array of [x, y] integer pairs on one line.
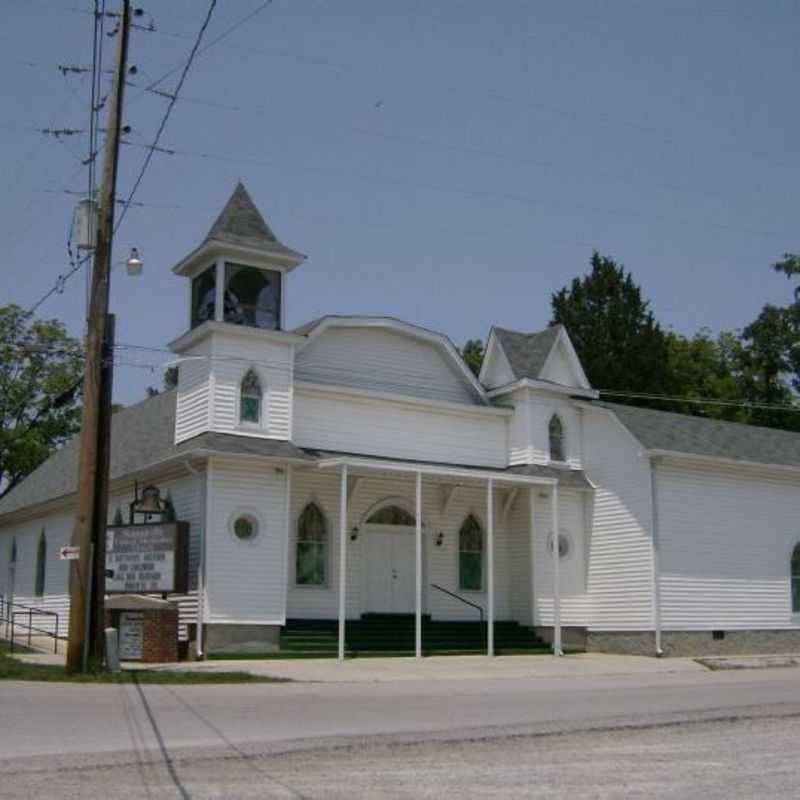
{"points": [[351, 482]]}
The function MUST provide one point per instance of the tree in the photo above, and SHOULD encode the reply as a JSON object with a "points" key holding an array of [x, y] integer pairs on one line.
{"points": [[701, 367], [472, 353], [169, 381], [619, 342], [767, 360], [40, 379]]}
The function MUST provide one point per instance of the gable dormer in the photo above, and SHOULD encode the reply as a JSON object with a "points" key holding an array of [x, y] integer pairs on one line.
{"points": [[235, 360], [538, 373]]}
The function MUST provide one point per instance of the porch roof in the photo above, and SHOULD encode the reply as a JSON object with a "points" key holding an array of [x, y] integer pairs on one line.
{"points": [[528, 474]]}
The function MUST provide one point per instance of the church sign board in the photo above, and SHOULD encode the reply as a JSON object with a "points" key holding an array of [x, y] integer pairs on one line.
{"points": [[150, 557]]}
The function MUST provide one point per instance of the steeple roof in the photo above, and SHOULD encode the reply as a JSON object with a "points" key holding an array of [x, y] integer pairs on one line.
{"points": [[240, 222], [240, 227]]}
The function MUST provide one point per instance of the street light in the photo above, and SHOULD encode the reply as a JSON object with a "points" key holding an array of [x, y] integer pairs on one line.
{"points": [[134, 264]]}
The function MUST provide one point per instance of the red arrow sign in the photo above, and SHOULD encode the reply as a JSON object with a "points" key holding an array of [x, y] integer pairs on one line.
{"points": [[69, 553]]}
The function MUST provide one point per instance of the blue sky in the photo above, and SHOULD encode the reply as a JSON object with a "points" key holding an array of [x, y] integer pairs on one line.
{"points": [[449, 163]]}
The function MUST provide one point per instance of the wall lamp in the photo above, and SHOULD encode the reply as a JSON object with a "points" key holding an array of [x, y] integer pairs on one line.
{"points": [[439, 539], [354, 533]]}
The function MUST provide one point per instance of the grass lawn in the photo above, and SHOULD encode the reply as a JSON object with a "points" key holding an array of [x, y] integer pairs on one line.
{"points": [[11, 669]]}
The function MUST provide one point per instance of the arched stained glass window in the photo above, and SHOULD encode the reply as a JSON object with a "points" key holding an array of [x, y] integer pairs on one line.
{"points": [[250, 399], [311, 565], [41, 565], [556, 434], [391, 515], [470, 555], [12, 556], [796, 580]]}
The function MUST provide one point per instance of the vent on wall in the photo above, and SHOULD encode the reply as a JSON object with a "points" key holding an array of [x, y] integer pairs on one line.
{"points": [[717, 635]]}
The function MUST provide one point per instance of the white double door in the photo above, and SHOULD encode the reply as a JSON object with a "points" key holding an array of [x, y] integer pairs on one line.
{"points": [[389, 569]]}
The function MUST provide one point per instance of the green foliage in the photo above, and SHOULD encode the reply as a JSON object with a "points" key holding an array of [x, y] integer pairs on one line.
{"points": [[615, 334], [169, 381], [40, 377], [622, 347], [169, 509], [472, 353], [702, 367]]}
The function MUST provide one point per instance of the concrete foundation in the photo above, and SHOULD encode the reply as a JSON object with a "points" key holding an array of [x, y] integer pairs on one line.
{"points": [[695, 643], [571, 638], [226, 638]]}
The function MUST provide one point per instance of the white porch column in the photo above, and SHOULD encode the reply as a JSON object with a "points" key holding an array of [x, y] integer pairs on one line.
{"points": [[342, 557], [532, 553], [418, 555], [556, 576], [490, 566]]}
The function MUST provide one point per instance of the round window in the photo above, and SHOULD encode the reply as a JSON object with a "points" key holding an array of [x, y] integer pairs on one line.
{"points": [[564, 545], [245, 527]]}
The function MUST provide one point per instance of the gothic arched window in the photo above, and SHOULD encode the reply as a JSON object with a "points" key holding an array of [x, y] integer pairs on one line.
{"points": [[311, 564], [470, 555], [556, 437], [250, 399], [41, 565], [796, 580]]}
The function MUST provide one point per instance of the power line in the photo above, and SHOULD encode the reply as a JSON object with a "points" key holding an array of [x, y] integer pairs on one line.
{"points": [[463, 191], [698, 400], [407, 379], [227, 32], [170, 106]]}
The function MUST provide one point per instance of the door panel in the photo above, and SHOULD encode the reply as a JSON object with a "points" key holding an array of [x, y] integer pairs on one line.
{"points": [[403, 579], [389, 580]]}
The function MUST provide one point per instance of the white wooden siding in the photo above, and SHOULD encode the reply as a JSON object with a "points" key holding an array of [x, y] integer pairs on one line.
{"points": [[725, 539], [245, 580], [519, 558], [440, 563], [529, 440], [382, 360], [576, 604], [328, 421], [58, 529], [233, 356], [186, 494], [495, 371], [559, 368], [193, 403], [620, 576]]}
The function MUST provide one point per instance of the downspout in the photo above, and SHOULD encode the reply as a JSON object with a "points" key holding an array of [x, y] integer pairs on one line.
{"points": [[656, 570], [201, 566]]}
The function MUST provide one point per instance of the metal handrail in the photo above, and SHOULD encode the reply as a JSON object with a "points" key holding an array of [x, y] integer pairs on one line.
{"points": [[466, 602], [9, 614]]}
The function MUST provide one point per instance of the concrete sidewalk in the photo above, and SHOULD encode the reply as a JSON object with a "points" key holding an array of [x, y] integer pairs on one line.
{"points": [[443, 668]]}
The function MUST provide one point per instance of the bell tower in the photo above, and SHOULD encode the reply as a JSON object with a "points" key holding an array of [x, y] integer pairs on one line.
{"points": [[235, 359]]}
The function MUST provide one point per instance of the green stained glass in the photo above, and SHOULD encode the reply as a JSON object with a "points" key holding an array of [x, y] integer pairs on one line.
{"points": [[796, 595], [310, 564], [470, 555], [470, 568], [312, 543], [251, 409]]}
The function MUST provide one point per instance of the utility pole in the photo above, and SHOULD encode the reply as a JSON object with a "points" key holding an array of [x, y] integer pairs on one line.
{"points": [[86, 594]]}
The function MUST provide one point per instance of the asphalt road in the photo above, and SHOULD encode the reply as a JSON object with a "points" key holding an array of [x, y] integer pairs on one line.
{"points": [[731, 734]]}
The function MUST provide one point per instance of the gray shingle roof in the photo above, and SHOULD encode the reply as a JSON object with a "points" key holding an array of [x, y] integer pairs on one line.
{"points": [[241, 223], [666, 430], [141, 436], [527, 352], [567, 478]]}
